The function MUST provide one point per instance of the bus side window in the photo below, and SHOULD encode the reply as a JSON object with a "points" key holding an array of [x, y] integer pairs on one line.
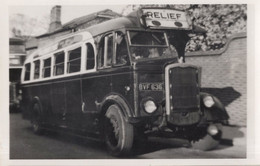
{"points": [[109, 44], [121, 49], [105, 51], [101, 53], [27, 72], [59, 63], [90, 57], [36, 69], [46, 71], [74, 60]]}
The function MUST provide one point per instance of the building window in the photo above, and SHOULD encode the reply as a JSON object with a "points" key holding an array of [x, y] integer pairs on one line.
{"points": [[14, 61], [27, 72], [90, 57], [59, 63], [74, 60], [36, 69], [46, 71]]}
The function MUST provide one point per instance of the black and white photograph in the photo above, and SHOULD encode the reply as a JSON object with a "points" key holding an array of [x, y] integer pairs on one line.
{"points": [[128, 82]]}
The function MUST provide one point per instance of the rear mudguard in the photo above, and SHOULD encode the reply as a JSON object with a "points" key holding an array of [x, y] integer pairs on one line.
{"points": [[216, 113]]}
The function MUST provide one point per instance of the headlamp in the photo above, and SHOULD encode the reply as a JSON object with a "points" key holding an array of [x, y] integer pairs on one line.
{"points": [[208, 101], [149, 106]]}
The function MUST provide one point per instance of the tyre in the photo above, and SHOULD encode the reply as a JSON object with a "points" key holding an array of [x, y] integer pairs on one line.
{"points": [[208, 141], [119, 134], [36, 120]]}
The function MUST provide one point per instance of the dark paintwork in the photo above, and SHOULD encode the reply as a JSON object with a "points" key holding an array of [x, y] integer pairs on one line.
{"points": [[78, 103], [61, 99]]}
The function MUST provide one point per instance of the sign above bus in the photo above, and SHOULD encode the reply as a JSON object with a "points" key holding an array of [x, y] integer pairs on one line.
{"points": [[61, 44], [69, 41], [166, 18]]}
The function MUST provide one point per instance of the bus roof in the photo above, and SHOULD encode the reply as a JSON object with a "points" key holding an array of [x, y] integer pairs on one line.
{"points": [[117, 23], [131, 21]]}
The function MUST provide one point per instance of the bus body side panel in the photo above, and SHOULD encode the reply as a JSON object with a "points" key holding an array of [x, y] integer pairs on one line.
{"points": [[94, 89], [25, 102], [37, 93], [58, 103], [73, 103], [44, 93], [123, 84]]}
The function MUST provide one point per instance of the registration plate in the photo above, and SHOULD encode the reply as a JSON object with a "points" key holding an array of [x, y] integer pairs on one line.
{"points": [[151, 86]]}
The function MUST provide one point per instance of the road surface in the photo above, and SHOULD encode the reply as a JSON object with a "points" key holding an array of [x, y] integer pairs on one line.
{"points": [[26, 145]]}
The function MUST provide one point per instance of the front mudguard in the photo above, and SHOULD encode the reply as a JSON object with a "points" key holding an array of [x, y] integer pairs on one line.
{"points": [[217, 113]]}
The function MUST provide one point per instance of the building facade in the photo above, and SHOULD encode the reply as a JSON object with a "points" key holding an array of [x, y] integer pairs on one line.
{"points": [[57, 30], [17, 57]]}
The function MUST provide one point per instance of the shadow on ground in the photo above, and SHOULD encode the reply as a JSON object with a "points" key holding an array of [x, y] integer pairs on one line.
{"points": [[230, 133]]}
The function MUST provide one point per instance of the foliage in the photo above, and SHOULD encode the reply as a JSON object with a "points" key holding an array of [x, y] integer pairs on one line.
{"points": [[220, 21], [23, 26]]}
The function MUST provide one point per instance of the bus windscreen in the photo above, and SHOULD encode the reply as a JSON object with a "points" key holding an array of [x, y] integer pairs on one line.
{"points": [[140, 38], [146, 45]]}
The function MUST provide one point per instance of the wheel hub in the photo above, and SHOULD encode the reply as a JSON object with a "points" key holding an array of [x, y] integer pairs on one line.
{"points": [[115, 127]]}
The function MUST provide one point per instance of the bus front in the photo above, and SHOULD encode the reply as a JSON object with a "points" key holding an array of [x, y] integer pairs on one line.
{"points": [[167, 89]]}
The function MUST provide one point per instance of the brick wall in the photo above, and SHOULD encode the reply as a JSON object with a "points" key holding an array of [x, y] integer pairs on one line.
{"points": [[224, 75]]}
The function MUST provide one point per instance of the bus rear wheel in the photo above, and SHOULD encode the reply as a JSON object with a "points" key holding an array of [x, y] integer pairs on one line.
{"points": [[119, 134], [36, 119]]}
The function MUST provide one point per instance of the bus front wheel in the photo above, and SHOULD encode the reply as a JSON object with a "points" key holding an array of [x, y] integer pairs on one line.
{"points": [[119, 134]]}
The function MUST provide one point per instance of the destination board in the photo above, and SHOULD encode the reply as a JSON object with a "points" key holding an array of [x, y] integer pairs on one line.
{"points": [[168, 18]]}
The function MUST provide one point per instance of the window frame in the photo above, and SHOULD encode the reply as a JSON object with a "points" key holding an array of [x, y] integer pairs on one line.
{"points": [[68, 61], [57, 64], [50, 67], [26, 71], [139, 45], [39, 69], [87, 56], [45, 55], [104, 54], [115, 50]]}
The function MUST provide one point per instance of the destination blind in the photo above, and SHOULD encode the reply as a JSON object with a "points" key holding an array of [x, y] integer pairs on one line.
{"points": [[169, 18]]}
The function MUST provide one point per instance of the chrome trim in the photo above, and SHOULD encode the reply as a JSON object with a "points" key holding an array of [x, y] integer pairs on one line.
{"points": [[167, 83]]}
